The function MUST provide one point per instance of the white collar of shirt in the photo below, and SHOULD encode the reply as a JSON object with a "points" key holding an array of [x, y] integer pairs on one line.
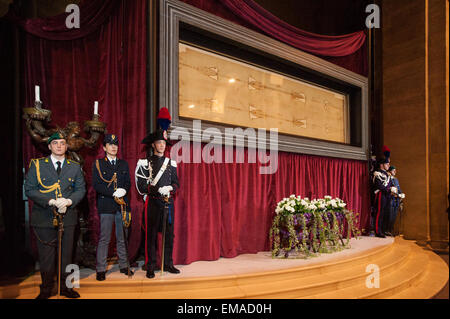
{"points": [[110, 159], [54, 160]]}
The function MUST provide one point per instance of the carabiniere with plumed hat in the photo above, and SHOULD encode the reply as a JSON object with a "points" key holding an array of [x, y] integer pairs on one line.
{"points": [[157, 180]]}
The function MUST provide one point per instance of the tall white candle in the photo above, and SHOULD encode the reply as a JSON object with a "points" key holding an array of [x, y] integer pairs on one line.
{"points": [[36, 92], [96, 107]]}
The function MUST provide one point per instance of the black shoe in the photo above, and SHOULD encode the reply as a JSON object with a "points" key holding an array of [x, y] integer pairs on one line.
{"points": [[46, 288], [125, 271], [70, 293], [150, 274], [101, 275], [388, 234], [171, 269], [44, 294], [380, 235]]}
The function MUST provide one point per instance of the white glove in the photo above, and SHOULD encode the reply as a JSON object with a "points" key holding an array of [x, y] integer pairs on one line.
{"points": [[402, 195], [162, 191], [165, 190], [62, 210], [394, 190], [62, 202], [120, 192], [52, 202]]}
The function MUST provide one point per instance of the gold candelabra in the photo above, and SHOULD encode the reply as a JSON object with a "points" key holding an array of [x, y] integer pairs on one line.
{"points": [[37, 117]]}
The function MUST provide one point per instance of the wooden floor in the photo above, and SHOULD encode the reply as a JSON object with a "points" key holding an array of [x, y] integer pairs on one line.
{"points": [[405, 271]]}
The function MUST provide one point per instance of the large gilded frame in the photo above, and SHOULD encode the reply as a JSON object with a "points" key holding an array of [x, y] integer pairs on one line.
{"points": [[174, 12]]}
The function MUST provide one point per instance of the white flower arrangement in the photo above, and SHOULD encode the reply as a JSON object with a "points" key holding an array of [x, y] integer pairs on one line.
{"points": [[311, 226], [296, 204]]}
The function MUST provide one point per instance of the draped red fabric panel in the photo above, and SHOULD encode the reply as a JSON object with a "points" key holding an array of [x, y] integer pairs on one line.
{"points": [[223, 210], [108, 65], [348, 51], [254, 14]]}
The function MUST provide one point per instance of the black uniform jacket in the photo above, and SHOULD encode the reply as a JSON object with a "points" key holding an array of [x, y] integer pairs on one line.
{"points": [[168, 178]]}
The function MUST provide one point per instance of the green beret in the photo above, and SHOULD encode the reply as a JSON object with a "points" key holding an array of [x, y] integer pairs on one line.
{"points": [[55, 136]]}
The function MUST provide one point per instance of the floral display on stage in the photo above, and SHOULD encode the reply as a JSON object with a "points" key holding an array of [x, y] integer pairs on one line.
{"points": [[305, 228]]}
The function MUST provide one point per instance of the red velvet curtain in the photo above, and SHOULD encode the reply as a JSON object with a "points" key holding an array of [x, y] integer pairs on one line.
{"points": [[223, 210], [348, 51], [107, 65]]}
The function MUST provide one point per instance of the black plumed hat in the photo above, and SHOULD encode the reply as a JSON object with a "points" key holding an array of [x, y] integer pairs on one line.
{"points": [[158, 135], [383, 160]]}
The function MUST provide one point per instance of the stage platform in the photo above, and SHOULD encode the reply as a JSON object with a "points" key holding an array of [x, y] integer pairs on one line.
{"points": [[406, 271]]}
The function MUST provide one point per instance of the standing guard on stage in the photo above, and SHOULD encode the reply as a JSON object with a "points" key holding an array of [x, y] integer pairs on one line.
{"points": [[55, 185], [111, 181], [383, 188], [396, 200], [156, 179]]}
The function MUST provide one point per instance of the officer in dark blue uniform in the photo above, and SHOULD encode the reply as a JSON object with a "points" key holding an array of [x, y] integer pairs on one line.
{"points": [[156, 178], [55, 185], [383, 188], [396, 199], [111, 181]]}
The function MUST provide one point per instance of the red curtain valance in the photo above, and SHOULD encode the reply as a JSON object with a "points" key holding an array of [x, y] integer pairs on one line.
{"points": [[93, 14], [324, 45], [347, 51]]}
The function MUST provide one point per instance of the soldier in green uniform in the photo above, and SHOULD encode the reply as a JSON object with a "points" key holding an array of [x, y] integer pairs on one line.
{"points": [[55, 185]]}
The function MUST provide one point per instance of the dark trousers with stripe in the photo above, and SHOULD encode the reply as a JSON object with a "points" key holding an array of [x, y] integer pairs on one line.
{"points": [[155, 212], [382, 212]]}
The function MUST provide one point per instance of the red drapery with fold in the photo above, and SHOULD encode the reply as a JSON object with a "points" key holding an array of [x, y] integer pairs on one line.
{"points": [[257, 16], [107, 65], [348, 51], [93, 14]]}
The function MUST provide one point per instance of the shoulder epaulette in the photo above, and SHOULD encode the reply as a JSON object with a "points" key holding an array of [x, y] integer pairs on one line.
{"points": [[377, 174], [35, 159], [72, 161]]}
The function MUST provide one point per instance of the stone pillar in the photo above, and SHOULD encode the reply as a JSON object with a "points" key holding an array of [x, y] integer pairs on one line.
{"points": [[416, 112]]}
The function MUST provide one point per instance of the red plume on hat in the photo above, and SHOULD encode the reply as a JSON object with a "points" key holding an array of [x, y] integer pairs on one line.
{"points": [[164, 119], [386, 151]]}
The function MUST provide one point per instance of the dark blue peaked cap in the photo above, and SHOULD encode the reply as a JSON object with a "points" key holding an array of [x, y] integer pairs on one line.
{"points": [[111, 139]]}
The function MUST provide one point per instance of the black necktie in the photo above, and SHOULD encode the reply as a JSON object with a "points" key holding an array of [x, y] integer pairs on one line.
{"points": [[58, 169], [113, 162]]}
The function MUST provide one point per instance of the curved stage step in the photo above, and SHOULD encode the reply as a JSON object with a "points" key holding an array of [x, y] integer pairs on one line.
{"points": [[405, 271]]}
